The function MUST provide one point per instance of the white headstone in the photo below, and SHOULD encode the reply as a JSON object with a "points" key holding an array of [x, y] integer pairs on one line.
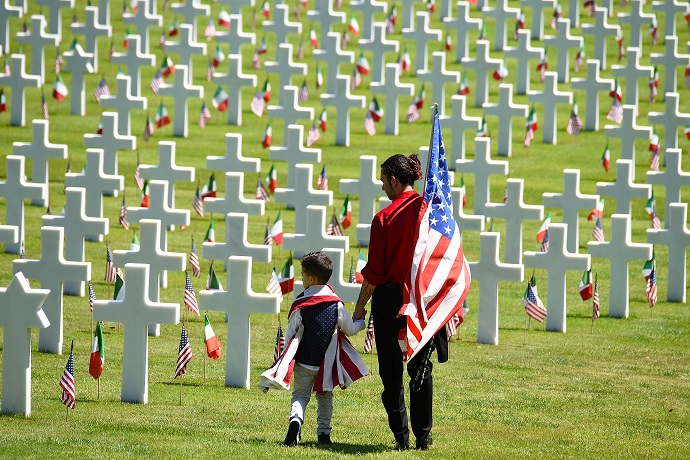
{"points": [[135, 59], [234, 80], [343, 101], [40, 150], [289, 110], [51, 271], [502, 13], [325, 15], [281, 25], [103, 11], [285, 68], [186, 48], [189, 10], [556, 261], [233, 161], [348, 292], [95, 182], [669, 8], [38, 39], [421, 35], [235, 37], [438, 76], [677, 237], [180, 91], [333, 56], [624, 190], [620, 250], [671, 119], [18, 81], [238, 302], [91, 29], [9, 234], [514, 211], [123, 102], [523, 53], [234, 200], [483, 64], [550, 97], [482, 167], [110, 142], [294, 153], [392, 89], [538, 7], [54, 14], [15, 189], [465, 222], [368, 189], [672, 180], [488, 272], [571, 201], [631, 72], [236, 243], [592, 85], [136, 311], [459, 122], [600, 30], [78, 64], [563, 42], [302, 196], [369, 8], [6, 12], [636, 19], [20, 311], [505, 110], [77, 225], [143, 19], [167, 170], [627, 132], [669, 61], [461, 24], [314, 237], [574, 12]]}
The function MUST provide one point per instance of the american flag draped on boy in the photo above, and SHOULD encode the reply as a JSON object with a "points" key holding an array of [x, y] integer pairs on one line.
{"points": [[440, 275]]}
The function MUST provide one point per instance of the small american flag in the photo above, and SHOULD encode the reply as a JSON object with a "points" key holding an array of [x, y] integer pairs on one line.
{"points": [[44, 106], [353, 275], [123, 215], [615, 112], [184, 354], [452, 325], [256, 61], [273, 287], [157, 81], [280, 343], [369, 339], [356, 80], [574, 126], [300, 50], [595, 300], [111, 51], [197, 203], [545, 242], [69, 391], [533, 306], [412, 113], [101, 90], [303, 93], [137, 177], [261, 193], [651, 288], [194, 261], [204, 117], [210, 30], [654, 160], [148, 129], [598, 232], [579, 59], [92, 296], [268, 239], [209, 71], [258, 104], [529, 135], [189, 297], [58, 62], [369, 125], [161, 43], [333, 228], [313, 135], [322, 181], [109, 267], [345, 40], [296, 12]]}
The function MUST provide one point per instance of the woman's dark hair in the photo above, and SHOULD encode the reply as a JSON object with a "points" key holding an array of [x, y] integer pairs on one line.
{"points": [[407, 169]]}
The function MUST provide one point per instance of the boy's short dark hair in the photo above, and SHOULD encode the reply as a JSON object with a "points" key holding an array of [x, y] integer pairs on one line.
{"points": [[319, 265]]}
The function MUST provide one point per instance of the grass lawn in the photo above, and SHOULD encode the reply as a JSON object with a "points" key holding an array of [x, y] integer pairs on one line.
{"points": [[619, 389]]}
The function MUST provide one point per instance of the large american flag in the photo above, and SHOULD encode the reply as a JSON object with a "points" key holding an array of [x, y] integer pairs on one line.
{"points": [[440, 275], [184, 354], [189, 297], [109, 267], [69, 391], [194, 261]]}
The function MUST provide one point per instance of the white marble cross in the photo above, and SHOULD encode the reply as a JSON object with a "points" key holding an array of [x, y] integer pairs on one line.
{"points": [[636, 19], [392, 89], [571, 201], [369, 8], [110, 142], [9, 234], [190, 9], [422, 34], [235, 37], [38, 39], [677, 237], [281, 25], [289, 110], [233, 161], [54, 14], [483, 64], [285, 68], [294, 152], [238, 303], [103, 11], [592, 85], [143, 19], [15, 189], [51, 271], [18, 81], [624, 190], [563, 42], [669, 8], [556, 261], [91, 29], [40, 150], [482, 167], [501, 13], [538, 7], [628, 131], [123, 102], [325, 15], [186, 47], [20, 311], [78, 64], [6, 12], [95, 182], [631, 72], [333, 56], [671, 119], [314, 237], [236, 243], [620, 251], [600, 30], [76, 225], [574, 12], [348, 292], [523, 53], [379, 45], [466, 222], [459, 122], [461, 24], [514, 211], [438, 75], [505, 110], [488, 272], [234, 200], [342, 100], [302, 196], [672, 180], [669, 61], [167, 170], [134, 59], [180, 91], [550, 97], [234, 80], [407, 7], [158, 260], [136, 311], [368, 189]]}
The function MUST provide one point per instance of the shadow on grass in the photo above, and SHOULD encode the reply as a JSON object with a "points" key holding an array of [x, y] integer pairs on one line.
{"points": [[336, 447]]}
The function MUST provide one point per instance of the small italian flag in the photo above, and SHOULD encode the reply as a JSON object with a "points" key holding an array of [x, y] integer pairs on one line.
{"points": [[135, 245], [209, 190], [268, 135], [354, 26], [210, 233], [223, 18], [323, 119], [598, 211], [483, 132], [212, 281], [162, 117], [346, 213], [119, 292], [463, 191], [375, 110], [361, 262], [220, 99], [544, 227], [363, 65], [532, 120], [606, 158], [59, 90], [287, 277], [277, 229], [167, 68], [145, 194], [212, 343], [319, 77], [312, 38], [97, 355], [266, 91], [586, 285], [272, 179]]}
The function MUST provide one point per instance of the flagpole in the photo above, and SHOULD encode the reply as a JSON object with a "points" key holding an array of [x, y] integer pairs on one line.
{"points": [[181, 377], [99, 387], [524, 335], [591, 330], [434, 109]]}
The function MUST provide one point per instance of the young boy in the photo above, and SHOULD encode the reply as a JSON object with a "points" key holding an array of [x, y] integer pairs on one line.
{"points": [[314, 343]]}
